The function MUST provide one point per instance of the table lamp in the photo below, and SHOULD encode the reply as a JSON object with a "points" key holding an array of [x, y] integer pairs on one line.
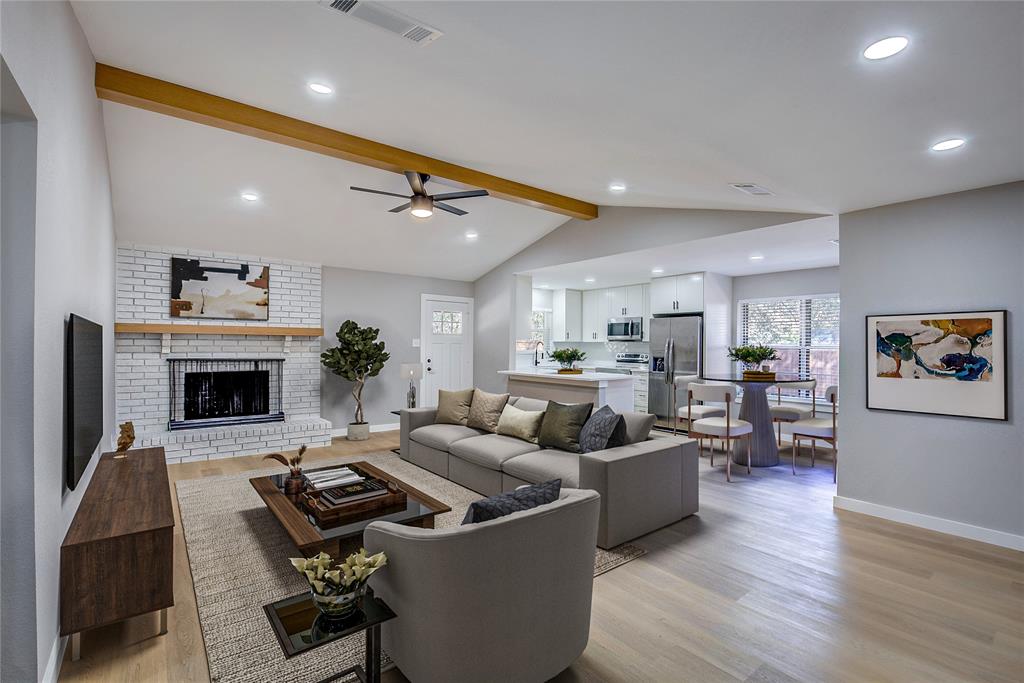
{"points": [[411, 372]]}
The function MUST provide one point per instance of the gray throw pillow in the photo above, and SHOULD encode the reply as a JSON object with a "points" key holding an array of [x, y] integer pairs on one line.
{"points": [[604, 429], [453, 407], [562, 425], [485, 410], [523, 498], [522, 424], [638, 426]]}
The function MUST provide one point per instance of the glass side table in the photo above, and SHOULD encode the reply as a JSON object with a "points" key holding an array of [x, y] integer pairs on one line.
{"points": [[299, 627]]}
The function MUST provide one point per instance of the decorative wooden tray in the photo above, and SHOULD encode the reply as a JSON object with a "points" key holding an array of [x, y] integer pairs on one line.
{"points": [[564, 371], [758, 375], [394, 498]]}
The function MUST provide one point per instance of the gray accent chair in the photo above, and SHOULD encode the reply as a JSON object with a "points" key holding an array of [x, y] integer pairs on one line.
{"points": [[643, 486], [502, 600]]}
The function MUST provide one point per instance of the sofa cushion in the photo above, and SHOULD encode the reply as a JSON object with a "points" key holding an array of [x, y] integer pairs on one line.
{"points": [[638, 426], [532, 404], [490, 450], [543, 465], [453, 407], [604, 429], [523, 498], [522, 424], [442, 436], [485, 410], [562, 424]]}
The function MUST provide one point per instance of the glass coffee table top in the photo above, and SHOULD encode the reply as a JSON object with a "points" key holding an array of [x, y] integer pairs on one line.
{"points": [[780, 378], [300, 626]]}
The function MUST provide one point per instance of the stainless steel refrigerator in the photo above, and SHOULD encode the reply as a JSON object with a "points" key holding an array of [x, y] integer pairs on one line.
{"points": [[676, 352]]}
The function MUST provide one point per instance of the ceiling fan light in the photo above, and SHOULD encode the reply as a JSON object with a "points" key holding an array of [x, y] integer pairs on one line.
{"points": [[422, 213], [422, 207]]}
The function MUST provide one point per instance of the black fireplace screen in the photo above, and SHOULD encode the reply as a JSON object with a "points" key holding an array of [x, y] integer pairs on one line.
{"points": [[211, 392]]}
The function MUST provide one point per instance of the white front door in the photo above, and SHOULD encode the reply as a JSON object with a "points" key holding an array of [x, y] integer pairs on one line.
{"points": [[447, 345]]}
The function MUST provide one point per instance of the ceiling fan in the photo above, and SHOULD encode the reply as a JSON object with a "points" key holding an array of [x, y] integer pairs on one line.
{"points": [[421, 203]]}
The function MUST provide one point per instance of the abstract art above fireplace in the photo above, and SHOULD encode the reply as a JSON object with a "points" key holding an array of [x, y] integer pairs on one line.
{"points": [[221, 290]]}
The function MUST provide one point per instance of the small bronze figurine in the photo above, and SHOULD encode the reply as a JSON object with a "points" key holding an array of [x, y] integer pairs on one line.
{"points": [[125, 439]]}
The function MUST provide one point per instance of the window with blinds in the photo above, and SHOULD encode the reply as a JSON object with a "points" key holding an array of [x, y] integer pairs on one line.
{"points": [[804, 330]]}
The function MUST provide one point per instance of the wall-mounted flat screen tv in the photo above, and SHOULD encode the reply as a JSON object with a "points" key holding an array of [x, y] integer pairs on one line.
{"points": [[83, 394]]}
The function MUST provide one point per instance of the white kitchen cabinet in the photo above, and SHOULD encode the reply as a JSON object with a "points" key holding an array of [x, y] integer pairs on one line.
{"points": [[567, 311], [663, 295], [677, 294], [595, 315], [616, 297], [634, 301]]}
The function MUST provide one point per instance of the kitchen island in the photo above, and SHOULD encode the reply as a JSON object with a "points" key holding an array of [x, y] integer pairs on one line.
{"points": [[599, 388]]}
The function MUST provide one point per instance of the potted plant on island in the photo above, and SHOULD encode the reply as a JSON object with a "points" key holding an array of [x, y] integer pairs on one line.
{"points": [[358, 356], [336, 592], [568, 358], [754, 358]]}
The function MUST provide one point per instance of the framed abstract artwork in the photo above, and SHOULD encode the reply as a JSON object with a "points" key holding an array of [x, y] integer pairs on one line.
{"points": [[221, 290], [938, 363]]}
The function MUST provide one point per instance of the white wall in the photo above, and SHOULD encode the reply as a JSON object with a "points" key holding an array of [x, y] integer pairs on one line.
{"points": [[785, 283], [617, 230], [386, 301], [957, 252], [48, 55]]}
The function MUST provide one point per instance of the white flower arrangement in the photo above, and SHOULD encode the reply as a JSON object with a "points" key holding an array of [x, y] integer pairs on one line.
{"points": [[347, 577]]}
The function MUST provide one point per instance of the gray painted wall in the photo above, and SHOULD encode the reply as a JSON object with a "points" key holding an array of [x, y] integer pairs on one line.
{"points": [[617, 230], [957, 252], [49, 57], [392, 303]]}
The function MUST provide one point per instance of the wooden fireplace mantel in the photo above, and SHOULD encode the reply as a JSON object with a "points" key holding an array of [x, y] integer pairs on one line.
{"points": [[183, 328]]}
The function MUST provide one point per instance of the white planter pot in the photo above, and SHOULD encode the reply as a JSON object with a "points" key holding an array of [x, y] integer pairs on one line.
{"points": [[358, 432]]}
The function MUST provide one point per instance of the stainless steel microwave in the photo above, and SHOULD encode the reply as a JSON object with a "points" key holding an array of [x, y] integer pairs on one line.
{"points": [[625, 329]]}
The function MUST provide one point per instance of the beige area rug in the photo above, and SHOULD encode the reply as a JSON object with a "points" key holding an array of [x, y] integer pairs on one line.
{"points": [[239, 554]]}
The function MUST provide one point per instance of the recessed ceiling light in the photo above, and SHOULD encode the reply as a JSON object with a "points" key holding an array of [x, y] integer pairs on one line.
{"points": [[471, 235], [589, 279], [544, 286], [756, 257], [886, 47], [617, 187], [657, 271], [321, 89], [695, 278], [946, 145], [250, 196]]}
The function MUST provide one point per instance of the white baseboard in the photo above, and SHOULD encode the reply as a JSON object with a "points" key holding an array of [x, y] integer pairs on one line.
{"points": [[52, 672], [390, 427], [945, 526]]}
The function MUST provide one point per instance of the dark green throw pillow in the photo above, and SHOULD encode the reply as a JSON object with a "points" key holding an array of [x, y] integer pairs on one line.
{"points": [[562, 424]]}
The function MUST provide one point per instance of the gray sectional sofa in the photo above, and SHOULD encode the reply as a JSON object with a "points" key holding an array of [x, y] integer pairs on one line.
{"points": [[643, 486]]}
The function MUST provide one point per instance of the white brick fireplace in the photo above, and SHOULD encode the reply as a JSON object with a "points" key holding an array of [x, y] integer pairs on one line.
{"points": [[143, 378]]}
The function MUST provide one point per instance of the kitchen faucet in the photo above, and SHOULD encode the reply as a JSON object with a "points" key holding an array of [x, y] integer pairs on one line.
{"points": [[538, 353]]}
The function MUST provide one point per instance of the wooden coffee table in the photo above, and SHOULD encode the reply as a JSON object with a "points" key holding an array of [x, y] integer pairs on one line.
{"points": [[341, 539]]}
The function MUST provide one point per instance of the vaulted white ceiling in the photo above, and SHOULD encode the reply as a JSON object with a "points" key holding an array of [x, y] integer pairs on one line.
{"points": [[675, 99]]}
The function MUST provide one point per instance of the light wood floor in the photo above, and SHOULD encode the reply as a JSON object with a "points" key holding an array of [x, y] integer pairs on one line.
{"points": [[767, 583]]}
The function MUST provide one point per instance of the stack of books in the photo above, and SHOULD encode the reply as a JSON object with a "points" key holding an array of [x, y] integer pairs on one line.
{"points": [[326, 479]]}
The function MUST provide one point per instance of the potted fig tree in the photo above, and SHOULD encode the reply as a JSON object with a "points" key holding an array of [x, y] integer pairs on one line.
{"points": [[357, 356]]}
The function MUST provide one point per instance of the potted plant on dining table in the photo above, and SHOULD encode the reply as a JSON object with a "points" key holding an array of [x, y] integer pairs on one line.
{"points": [[754, 358]]}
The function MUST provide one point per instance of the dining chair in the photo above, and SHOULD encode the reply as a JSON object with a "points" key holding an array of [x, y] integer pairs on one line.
{"points": [[726, 428], [819, 428], [791, 412]]}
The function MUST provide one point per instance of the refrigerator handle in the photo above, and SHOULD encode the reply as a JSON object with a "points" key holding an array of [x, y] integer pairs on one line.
{"points": [[669, 353]]}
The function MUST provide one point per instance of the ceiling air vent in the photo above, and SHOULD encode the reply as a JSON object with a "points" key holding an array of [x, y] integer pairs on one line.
{"points": [[751, 188], [385, 18]]}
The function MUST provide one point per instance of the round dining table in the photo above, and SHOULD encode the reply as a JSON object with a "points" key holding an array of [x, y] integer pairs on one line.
{"points": [[754, 409]]}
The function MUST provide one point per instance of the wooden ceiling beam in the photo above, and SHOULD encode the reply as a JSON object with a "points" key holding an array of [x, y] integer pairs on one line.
{"points": [[144, 92]]}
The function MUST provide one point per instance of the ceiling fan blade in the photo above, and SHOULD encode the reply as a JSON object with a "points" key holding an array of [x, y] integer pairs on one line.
{"points": [[416, 181], [399, 209], [364, 189], [449, 208], [462, 195]]}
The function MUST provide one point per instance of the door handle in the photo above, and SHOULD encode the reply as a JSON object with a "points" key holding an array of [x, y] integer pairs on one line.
{"points": [[668, 361]]}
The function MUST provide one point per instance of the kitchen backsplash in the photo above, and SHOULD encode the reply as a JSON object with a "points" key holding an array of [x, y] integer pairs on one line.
{"points": [[602, 351]]}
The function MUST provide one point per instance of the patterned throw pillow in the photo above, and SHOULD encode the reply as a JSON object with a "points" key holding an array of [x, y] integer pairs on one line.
{"points": [[523, 498], [562, 424], [453, 407], [604, 429], [485, 410]]}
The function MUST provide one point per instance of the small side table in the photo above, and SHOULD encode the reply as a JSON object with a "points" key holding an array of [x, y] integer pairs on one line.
{"points": [[300, 627], [396, 451]]}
